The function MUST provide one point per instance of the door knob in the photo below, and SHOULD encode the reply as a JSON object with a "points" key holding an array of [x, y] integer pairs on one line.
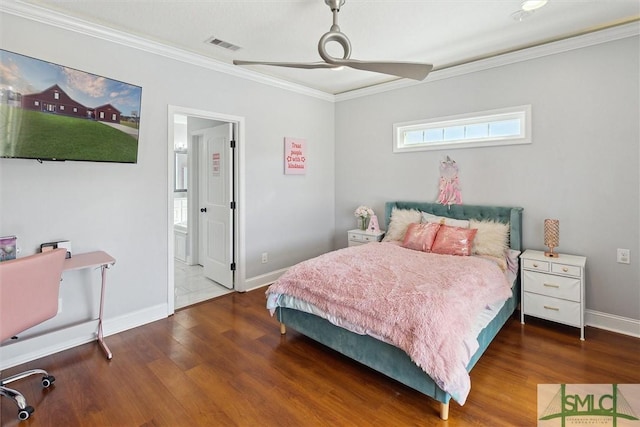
{"points": [[203, 209]]}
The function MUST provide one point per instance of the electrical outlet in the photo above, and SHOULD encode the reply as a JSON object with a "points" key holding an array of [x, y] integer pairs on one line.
{"points": [[265, 257], [624, 256]]}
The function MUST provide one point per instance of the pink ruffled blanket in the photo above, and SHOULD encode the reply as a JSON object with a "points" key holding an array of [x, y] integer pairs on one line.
{"points": [[423, 303]]}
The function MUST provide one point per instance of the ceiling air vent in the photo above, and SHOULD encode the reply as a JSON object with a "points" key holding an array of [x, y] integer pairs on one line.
{"points": [[223, 44]]}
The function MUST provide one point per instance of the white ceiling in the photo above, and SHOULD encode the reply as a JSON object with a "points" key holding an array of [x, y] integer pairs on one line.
{"points": [[440, 32]]}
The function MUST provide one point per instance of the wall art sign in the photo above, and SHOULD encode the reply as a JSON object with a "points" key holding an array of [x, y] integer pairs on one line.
{"points": [[215, 164], [295, 156]]}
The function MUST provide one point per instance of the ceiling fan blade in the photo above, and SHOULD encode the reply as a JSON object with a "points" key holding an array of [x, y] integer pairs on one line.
{"points": [[306, 65], [410, 70]]}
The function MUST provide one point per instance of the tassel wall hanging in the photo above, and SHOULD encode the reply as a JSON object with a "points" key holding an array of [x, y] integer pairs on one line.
{"points": [[449, 184]]}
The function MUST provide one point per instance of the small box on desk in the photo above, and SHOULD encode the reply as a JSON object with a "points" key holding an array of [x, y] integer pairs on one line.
{"points": [[66, 244], [8, 248]]}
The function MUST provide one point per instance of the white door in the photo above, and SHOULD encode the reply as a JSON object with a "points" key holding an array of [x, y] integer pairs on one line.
{"points": [[215, 197]]}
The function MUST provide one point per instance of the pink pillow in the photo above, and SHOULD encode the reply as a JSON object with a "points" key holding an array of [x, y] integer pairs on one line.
{"points": [[454, 240], [419, 237]]}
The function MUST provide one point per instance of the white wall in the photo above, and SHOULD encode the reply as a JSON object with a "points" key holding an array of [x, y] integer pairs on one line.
{"points": [[122, 208], [582, 168]]}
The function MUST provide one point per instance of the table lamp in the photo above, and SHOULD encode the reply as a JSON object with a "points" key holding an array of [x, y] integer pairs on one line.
{"points": [[551, 236]]}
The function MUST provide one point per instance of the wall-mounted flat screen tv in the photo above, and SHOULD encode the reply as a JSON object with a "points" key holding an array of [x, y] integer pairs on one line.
{"points": [[52, 112]]}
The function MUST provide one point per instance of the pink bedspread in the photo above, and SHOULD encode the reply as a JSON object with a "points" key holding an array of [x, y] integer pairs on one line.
{"points": [[420, 302]]}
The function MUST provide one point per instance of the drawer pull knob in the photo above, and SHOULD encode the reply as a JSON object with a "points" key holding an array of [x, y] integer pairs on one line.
{"points": [[551, 308], [551, 285], [535, 265], [565, 269]]}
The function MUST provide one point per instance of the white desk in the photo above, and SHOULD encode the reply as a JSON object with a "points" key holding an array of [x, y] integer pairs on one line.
{"points": [[91, 260]]}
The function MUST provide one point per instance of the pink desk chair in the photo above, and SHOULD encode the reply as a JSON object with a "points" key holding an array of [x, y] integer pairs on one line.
{"points": [[29, 290]]}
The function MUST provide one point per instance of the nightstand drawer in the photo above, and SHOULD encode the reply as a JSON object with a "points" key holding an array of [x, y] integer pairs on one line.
{"points": [[558, 310], [369, 238], [554, 286], [534, 264], [360, 237], [355, 237], [569, 270]]}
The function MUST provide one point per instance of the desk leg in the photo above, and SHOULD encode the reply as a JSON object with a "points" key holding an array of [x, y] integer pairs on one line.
{"points": [[106, 350]]}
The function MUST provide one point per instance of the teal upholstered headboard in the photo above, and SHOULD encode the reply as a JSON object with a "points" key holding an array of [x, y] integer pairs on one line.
{"points": [[510, 215]]}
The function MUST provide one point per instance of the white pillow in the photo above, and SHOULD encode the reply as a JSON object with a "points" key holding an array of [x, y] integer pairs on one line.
{"points": [[400, 220], [462, 223], [492, 238]]}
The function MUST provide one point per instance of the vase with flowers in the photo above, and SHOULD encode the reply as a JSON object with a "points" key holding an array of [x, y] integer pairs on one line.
{"points": [[363, 214]]}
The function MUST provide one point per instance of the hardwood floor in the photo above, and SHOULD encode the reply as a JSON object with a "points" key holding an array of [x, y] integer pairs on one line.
{"points": [[224, 363]]}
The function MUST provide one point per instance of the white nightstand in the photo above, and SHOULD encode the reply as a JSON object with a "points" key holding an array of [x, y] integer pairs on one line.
{"points": [[360, 237], [553, 288]]}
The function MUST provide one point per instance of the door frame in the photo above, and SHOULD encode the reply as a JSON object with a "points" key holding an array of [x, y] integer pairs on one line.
{"points": [[238, 196]]}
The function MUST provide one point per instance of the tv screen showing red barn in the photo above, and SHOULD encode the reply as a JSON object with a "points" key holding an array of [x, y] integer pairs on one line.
{"points": [[52, 112]]}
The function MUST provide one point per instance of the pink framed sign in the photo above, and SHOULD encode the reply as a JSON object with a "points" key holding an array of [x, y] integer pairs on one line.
{"points": [[295, 156]]}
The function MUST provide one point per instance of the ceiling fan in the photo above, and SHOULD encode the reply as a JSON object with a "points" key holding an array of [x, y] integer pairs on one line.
{"points": [[411, 70]]}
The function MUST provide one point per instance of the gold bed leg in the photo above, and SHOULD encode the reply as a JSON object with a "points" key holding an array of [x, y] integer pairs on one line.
{"points": [[283, 329], [444, 411]]}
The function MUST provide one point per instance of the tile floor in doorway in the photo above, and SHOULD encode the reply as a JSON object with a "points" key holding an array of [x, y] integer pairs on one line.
{"points": [[192, 287]]}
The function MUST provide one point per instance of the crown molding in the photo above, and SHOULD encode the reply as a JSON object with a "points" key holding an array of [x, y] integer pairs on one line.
{"points": [[60, 20], [499, 59]]}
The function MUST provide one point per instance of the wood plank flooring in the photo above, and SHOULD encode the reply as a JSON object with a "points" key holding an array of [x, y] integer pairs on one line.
{"points": [[224, 363]]}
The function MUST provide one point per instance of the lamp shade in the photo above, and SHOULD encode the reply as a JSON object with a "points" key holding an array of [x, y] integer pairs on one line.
{"points": [[551, 236]]}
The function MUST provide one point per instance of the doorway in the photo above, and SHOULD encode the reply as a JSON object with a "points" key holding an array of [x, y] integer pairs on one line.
{"points": [[204, 213]]}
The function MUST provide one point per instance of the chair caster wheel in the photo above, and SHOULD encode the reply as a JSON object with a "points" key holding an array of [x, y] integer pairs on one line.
{"points": [[24, 414], [48, 380]]}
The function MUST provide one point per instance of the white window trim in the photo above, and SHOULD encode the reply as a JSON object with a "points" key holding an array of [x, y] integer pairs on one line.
{"points": [[523, 112]]}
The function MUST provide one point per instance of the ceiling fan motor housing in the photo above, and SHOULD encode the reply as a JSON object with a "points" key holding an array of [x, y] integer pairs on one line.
{"points": [[334, 36], [334, 4]]}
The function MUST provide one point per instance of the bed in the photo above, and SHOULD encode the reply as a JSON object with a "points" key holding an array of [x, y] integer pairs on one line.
{"points": [[378, 352]]}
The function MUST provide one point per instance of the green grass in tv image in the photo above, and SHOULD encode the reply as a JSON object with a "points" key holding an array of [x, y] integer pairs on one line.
{"points": [[32, 134]]}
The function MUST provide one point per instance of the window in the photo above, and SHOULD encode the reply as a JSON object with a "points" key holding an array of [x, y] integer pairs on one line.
{"points": [[505, 126], [56, 95]]}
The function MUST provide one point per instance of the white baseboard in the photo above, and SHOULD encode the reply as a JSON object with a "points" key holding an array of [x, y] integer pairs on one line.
{"points": [[135, 319], [613, 323], [262, 280], [22, 351]]}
